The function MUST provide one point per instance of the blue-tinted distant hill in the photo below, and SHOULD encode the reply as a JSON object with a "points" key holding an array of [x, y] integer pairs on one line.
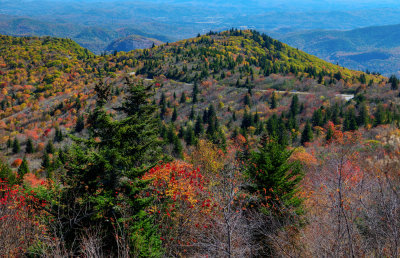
{"points": [[375, 48], [94, 38]]}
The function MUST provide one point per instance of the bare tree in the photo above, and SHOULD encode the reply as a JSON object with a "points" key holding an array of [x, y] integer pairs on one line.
{"points": [[229, 233]]}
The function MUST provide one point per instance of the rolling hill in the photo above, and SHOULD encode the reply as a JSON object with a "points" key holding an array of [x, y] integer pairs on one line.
{"points": [[373, 48], [94, 38], [132, 42]]}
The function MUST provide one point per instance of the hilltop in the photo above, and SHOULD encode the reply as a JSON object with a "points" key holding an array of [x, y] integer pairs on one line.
{"points": [[217, 53]]}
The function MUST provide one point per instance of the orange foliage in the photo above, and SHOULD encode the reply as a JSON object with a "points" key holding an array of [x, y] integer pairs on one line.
{"points": [[16, 163], [33, 180], [304, 157]]}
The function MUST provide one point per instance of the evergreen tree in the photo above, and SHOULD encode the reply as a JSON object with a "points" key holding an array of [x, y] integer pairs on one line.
{"points": [[192, 115], [16, 147], [211, 114], [80, 124], [317, 118], [275, 184], [272, 126], [178, 148], [350, 120], [29, 146], [45, 160], [283, 136], [50, 147], [195, 93], [329, 134], [58, 137], [23, 170], [274, 103], [115, 162], [205, 116], [174, 115], [183, 98], [394, 82], [198, 126], [271, 169], [247, 120], [6, 173], [380, 115], [307, 134], [9, 143], [247, 100], [335, 113], [294, 105], [363, 116], [190, 136]]}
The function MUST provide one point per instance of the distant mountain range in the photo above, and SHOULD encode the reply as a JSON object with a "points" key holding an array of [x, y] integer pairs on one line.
{"points": [[372, 48], [96, 39], [96, 24]]}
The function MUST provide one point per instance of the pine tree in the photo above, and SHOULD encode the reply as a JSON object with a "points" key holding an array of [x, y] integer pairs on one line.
{"points": [[183, 98], [380, 116], [350, 120], [317, 118], [80, 124], [45, 160], [174, 115], [247, 120], [329, 134], [178, 148], [50, 147], [247, 100], [294, 106], [189, 136], [195, 93], [192, 115], [9, 143], [115, 162], [23, 170], [394, 82], [274, 103], [271, 170], [275, 184], [6, 173], [58, 137], [198, 126], [363, 116], [307, 134], [29, 146], [16, 147]]}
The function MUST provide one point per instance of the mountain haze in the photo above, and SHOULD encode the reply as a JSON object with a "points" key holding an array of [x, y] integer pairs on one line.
{"points": [[371, 48]]}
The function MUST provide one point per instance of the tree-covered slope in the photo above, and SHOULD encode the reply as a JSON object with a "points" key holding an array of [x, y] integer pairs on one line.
{"points": [[231, 51]]}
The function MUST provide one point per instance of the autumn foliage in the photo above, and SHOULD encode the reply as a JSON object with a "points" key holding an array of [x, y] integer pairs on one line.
{"points": [[21, 225], [183, 203]]}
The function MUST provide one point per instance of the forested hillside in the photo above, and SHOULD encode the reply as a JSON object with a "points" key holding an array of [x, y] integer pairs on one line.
{"points": [[229, 144]]}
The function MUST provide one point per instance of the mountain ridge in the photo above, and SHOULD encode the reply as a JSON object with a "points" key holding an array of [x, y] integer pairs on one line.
{"points": [[380, 47]]}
